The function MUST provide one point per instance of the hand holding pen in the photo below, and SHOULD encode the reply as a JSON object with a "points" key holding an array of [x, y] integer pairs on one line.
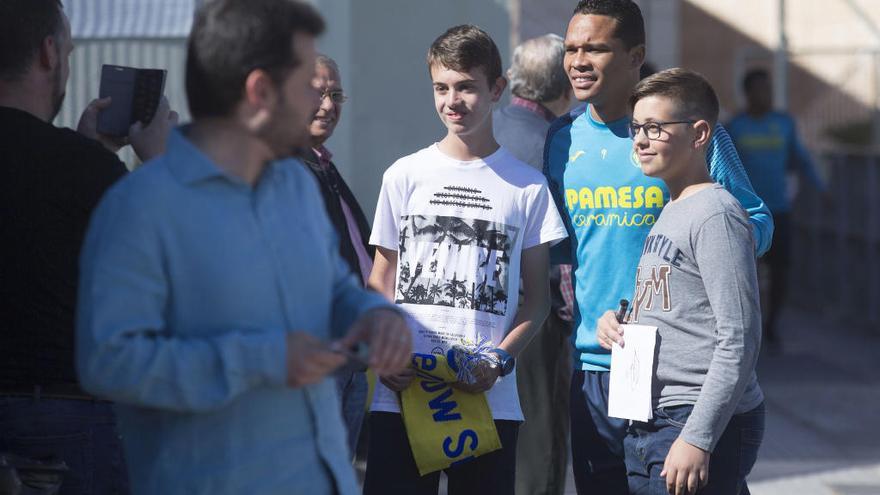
{"points": [[609, 328]]}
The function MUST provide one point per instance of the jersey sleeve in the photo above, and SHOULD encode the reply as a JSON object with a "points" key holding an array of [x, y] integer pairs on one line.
{"points": [[560, 253], [799, 155], [726, 169]]}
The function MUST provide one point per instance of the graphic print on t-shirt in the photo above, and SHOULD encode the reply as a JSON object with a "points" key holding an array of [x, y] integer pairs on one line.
{"points": [[455, 262], [462, 197], [652, 281]]}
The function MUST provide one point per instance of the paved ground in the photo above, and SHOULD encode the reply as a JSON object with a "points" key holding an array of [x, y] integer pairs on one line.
{"points": [[823, 403], [823, 411]]}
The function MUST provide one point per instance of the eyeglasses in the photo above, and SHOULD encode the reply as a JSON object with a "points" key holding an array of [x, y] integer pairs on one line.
{"points": [[336, 95], [653, 130]]}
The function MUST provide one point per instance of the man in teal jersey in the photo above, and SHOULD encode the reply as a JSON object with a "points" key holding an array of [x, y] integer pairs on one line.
{"points": [[768, 142], [609, 206]]}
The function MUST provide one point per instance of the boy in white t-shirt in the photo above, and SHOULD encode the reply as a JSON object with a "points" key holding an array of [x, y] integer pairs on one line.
{"points": [[458, 225]]}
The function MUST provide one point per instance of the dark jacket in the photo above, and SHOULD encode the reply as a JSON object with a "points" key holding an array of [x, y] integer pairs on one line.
{"points": [[332, 188], [51, 179]]}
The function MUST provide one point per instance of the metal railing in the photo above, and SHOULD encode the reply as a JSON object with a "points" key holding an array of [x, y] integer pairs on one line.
{"points": [[836, 250]]}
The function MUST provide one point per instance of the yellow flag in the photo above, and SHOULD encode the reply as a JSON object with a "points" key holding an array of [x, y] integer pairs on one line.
{"points": [[445, 425]]}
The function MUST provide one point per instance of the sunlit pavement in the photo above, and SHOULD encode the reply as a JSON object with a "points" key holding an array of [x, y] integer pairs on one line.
{"points": [[823, 403], [822, 394], [823, 411]]}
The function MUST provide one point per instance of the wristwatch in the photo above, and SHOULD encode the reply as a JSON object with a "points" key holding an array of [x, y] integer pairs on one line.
{"points": [[505, 362]]}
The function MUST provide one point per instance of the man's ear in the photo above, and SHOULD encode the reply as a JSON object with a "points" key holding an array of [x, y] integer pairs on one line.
{"points": [[259, 89], [704, 133], [50, 53], [497, 89], [260, 97], [637, 56]]}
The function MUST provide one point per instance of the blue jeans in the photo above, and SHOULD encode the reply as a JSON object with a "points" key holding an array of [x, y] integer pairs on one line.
{"points": [[647, 445], [82, 433], [352, 388], [596, 439]]}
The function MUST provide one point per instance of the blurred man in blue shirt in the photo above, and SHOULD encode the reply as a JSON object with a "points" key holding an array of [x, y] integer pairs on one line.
{"points": [[214, 304], [768, 144]]}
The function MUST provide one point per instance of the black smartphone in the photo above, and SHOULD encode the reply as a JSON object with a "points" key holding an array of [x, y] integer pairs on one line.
{"points": [[136, 94]]}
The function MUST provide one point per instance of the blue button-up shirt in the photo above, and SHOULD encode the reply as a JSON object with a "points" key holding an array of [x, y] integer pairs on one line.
{"points": [[190, 281]]}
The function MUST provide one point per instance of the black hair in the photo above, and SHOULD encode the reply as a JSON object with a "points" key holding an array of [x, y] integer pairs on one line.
{"points": [[753, 76], [630, 23], [232, 38], [24, 24]]}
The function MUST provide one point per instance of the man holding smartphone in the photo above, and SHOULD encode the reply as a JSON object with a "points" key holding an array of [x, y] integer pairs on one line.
{"points": [[51, 180]]}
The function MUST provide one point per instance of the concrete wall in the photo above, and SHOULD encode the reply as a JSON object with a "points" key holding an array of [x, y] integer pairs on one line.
{"points": [[662, 25], [834, 62], [380, 46]]}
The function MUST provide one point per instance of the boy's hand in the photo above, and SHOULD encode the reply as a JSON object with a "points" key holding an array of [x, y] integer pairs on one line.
{"points": [[486, 375], [399, 381], [608, 330], [686, 468]]}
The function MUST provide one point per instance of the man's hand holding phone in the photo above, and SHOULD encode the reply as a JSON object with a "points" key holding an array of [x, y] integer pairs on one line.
{"points": [[148, 141]]}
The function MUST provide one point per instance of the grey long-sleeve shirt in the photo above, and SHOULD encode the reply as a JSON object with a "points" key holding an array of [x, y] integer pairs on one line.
{"points": [[697, 283]]}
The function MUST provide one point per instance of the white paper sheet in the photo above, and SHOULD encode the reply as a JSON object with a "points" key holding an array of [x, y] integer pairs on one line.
{"points": [[632, 368]]}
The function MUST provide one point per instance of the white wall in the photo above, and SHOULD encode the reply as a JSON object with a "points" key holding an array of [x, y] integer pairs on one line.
{"points": [[380, 47], [662, 23]]}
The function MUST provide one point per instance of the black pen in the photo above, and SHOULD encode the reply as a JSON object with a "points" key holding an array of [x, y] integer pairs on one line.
{"points": [[621, 311]]}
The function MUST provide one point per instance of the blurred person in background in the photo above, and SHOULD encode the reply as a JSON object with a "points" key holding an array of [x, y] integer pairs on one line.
{"points": [[347, 216], [770, 149], [540, 93], [52, 179]]}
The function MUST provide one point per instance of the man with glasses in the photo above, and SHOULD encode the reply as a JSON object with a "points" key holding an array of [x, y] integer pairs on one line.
{"points": [[350, 222], [609, 207]]}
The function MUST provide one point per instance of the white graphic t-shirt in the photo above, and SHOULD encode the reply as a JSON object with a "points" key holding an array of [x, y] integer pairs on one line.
{"points": [[459, 228]]}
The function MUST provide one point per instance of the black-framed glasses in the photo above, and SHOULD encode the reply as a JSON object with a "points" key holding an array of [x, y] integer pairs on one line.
{"points": [[336, 95], [653, 130]]}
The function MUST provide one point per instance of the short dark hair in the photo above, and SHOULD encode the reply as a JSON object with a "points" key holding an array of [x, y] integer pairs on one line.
{"points": [[630, 23], [24, 24], [465, 47], [690, 91], [753, 76], [232, 38]]}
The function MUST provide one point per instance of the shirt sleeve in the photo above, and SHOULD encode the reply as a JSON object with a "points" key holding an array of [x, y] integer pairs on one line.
{"points": [[802, 159], [124, 350], [560, 253], [386, 222], [544, 224], [726, 169], [725, 257]]}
